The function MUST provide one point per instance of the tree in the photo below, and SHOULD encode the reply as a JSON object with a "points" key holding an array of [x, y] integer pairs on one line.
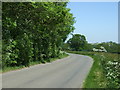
{"points": [[77, 42], [88, 47], [111, 47], [34, 31]]}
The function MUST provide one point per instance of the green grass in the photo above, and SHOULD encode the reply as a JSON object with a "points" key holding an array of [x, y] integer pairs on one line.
{"points": [[98, 76], [6, 69]]}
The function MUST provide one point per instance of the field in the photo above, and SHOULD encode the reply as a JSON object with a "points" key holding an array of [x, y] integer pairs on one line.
{"points": [[104, 72]]}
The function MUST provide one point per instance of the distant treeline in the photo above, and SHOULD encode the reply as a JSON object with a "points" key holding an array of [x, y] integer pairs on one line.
{"points": [[111, 47], [33, 31], [79, 43]]}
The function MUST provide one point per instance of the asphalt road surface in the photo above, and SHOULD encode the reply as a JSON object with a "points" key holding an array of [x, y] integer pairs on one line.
{"points": [[69, 72]]}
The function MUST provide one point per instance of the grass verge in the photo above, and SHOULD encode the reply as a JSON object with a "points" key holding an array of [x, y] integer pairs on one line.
{"points": [[6, 69], [104, 72]]}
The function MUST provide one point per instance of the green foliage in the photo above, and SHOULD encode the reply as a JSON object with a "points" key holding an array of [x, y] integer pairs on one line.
{"points": [[111, 64], [105, 71], [88, 47], [34, 31], [9, 68], [111, 47], [77, 42], [65, 46]]}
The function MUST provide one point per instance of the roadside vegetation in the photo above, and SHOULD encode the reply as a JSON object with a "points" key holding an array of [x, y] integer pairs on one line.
{"points": [[33, 32], [105, 71], [78, 42], [9, 68]]}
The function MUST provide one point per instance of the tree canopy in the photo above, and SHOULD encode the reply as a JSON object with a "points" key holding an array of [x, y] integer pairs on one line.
{"points": [[77, 42], [34, 31]]}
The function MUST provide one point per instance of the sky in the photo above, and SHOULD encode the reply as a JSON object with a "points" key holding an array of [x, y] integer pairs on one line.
{"points": [[97, 21]]}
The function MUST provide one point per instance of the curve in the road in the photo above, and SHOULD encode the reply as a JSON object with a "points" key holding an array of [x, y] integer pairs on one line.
{"points": [[69, 72]]}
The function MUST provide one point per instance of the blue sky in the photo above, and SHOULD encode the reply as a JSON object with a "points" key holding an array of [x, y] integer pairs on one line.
{"points": [[98, 21]]}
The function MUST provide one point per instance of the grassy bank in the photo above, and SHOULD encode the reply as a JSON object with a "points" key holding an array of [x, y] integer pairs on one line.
{"points": [[104, 72], [6, 69]]}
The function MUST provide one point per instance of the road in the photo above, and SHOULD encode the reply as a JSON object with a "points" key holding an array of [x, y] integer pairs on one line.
{"points": [[69, 72]]}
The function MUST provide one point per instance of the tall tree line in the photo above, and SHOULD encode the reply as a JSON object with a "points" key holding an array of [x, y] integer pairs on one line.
{"points": [[33, 31]]}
